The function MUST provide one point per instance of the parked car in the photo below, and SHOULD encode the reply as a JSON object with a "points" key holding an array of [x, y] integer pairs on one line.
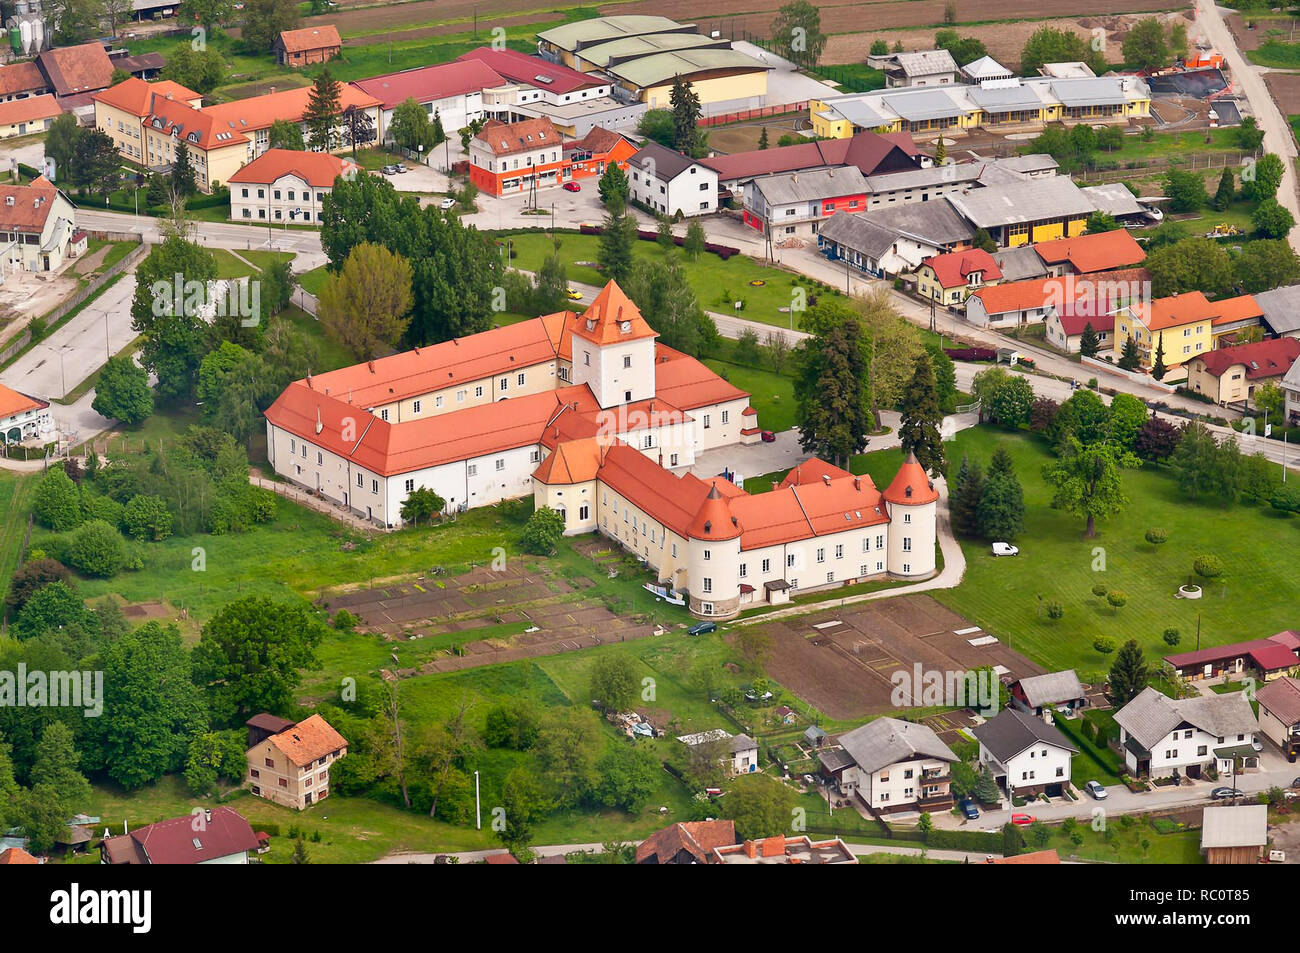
{"points": [[702, 628], [447, 203], [1295, 783], [1096, 790], [1223, 794], [1257, 745], [399, 167], [969, 809], [389, 170], [768, 436], [1005, 549], [573, 294], [572, 187], [1022, 820]]}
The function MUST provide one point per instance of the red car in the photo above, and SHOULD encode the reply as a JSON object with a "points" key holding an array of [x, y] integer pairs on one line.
{"points": [[1022, 820], [768, 436], [572, 187]]}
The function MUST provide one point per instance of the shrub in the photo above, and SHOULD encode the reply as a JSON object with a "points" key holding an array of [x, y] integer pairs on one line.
{"points": [[97, 549], [57, 503], [1156, 537], [1055, 611], [1117, 599], [542, 532], [344, 621], [1100, 590], [1103, 644], [1171, 636], [147, 517], [1208, 566]]}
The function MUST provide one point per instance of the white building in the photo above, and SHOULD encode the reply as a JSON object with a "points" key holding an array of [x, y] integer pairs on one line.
{"points": [[922, 68], [738, 753], [1025, 754], [1191, 736], [892, 765], [671, 183], [599, 416], [22, 417], [38, 228], [286, 185]]}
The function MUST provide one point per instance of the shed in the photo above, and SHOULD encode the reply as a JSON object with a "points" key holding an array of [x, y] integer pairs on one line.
{"points": [[1234, 835], [815, 736]]}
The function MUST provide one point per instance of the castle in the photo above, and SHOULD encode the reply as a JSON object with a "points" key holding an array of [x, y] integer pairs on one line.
{"points": [[592, 416]]}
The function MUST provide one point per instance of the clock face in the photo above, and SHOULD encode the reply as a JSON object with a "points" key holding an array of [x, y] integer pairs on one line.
{"points": [[627, 326]]}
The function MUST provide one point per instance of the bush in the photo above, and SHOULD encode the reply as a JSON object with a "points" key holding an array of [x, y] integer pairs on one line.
{"points": [[542, 532], [1103, 644], [1171, 636], [1100, 590], [1156, 536], [147, 517], [1055, 611], [1208, 566], [1117, 598], [57, 502], [97, 549]]}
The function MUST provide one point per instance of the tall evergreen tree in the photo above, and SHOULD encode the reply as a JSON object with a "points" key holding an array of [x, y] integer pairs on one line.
{"points": [[323, 113], [1129, 359], [1158, 369], [762, 139], [918, 431], [1226, 191], [184, 181], [964, 501], [686, 113], [1001, 463], [617, 244], [832, 412], [1128, 673], [1089, 341], [1001, 512]]}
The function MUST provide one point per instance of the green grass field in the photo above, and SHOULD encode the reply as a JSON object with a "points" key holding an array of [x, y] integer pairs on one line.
{"points": [[716, 283], [1276, 54], [1057, 563], [15, 504]]}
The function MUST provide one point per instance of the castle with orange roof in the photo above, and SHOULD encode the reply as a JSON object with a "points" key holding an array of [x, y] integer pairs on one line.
{"points": [[595, 419]]}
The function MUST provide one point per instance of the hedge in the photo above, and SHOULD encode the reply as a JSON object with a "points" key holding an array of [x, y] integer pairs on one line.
{"points": [[722, 251]]}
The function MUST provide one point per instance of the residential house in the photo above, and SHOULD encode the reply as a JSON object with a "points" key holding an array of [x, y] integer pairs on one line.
{"points": [[1066, 325], [1182, 323], [453, 92], [74, 73], [1014, 303], [218, 836], [1236, 321], [141, 66], [1193, 737], [313, 44], [1033, 211], [671, 183], [1291, 390], [123, 112], [16, 856], [688, 842], [1267, 658], [23, 417], [922, 68], [1049, 856], [1279, 714], [786, 715], [783, 849], [1090, 253], [893, 241], [1025, 754], [1230, 375], [1280, 310], [20, 117], [1234, 835], [869, 152], [744, 754], [532, 154], [38, 227], [1037, 694], [290, 764], [286, 185], [794, 204], [949, 279], [892, 766], [1020, 263]]}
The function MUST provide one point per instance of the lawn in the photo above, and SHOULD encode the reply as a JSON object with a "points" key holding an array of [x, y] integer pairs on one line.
{"points": [[1057, 563], [1122, 844], [15, 502], [1276, 54], [717, 284], [228, 266], [771, 394], [313, 281]]}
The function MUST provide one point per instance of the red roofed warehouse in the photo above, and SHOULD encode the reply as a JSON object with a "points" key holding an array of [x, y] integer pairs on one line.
{"points": [[510, 158], [601, 424], [313, 44], [1229, 375], [289, 763], [286, 185], [218, 836]]}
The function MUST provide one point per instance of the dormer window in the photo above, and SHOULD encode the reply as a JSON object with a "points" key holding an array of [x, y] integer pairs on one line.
{"points": [[908, 492]]}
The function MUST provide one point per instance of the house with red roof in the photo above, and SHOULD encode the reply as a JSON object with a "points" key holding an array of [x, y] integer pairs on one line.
{"points": [[1269, 658], [286, 185], [123, 111], [290, 763], [312, 44], [1279, 713], [1090, 253], [20, 117], [1066, 324], [950, 279], [23, 417], [601, 423], [454, 92], [217, 836], [1230, 375], [38, 228]]}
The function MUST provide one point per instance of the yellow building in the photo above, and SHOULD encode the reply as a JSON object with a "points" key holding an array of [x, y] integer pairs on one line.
{"points": [[1021, 213], [123, 112], [1182, 323]]}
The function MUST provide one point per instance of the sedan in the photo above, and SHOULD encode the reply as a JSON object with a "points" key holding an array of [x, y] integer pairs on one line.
{"points": [[1096, 790], [447, 203], [1022, 820], [1257, 745], [389, 170], [969, 809], [702, 628], [1005, 549], [572, 187], [1223, 794], [399, 168]]}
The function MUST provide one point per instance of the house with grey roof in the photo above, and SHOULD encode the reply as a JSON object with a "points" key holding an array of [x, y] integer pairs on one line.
{"points": [[1036, 693], [669, 182], [984, 69], [794, 204], [922, 68], [744, 754], [1020, 263], [1025, 754], [1192, 737], [1279, 713], [892, 765]]}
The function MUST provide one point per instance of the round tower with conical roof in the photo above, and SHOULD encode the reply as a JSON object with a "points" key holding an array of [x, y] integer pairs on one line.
{"points": [[713, 561], [913, 505]]}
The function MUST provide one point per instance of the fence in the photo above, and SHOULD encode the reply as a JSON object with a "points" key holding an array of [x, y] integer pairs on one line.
{"points": [[1136, 377], [762, 112]]}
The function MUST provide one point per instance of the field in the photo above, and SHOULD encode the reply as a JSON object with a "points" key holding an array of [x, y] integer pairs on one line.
{"points": [[1285, 88], [15, 501], [716, 283], [1057, 564]]}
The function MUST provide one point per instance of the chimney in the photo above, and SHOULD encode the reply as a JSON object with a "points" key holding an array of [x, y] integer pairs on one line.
{"points": [[775, 484], [751, 849], [826, 478], [857, 483], [207, 815], [371, 365], [272, 89]]}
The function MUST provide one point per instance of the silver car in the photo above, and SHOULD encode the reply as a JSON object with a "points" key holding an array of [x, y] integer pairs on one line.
{"points": [[1096, 790]]}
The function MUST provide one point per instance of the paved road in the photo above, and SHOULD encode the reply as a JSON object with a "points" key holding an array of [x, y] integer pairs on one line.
{"points": [[552, 850], [1248, 79]]}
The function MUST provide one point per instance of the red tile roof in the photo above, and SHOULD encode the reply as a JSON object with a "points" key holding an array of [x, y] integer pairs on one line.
{"points": [[258, 112], [196, 127], [1240, 308], [308, 740], [1076, 316], [137, 96], [814, 470], [1282, 697], [911, 485], [1174, 311], [191, 839], [522, 68], [12, 403], [1271, 358], [16, 855], [325, 37], [84, 68], [954, 268], [427, 84], [1101, 251], [1264, 653], [612, 318], [504, 139], [31, 206], [317, 169], [21, 78], [697, 838], [687, 383], [867, 150], [29, 109], [714, 521]]}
